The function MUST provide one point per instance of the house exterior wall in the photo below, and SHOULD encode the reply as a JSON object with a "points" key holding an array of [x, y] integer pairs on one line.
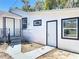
{"points": [[1, 26], [38, 33], [13, 24]]}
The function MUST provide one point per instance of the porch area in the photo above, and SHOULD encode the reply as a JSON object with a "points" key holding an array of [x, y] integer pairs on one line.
{"points": [[42, 52], [7, 36]]}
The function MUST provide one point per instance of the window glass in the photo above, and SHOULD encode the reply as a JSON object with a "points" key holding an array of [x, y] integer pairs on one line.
{"points": [[70, 33], [70, 23], [37, 22], [70, 28], [24, 23]]}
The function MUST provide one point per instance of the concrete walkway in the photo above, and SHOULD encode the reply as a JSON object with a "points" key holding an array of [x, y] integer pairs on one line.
{"points": [[15, 52], [38, 52]]}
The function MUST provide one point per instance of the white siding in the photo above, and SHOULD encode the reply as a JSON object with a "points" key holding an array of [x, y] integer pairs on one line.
{"points": [[9, 22], [38, 33]]}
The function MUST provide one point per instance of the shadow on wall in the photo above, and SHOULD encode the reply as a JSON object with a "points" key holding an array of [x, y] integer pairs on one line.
{"points": [[27, 36]]}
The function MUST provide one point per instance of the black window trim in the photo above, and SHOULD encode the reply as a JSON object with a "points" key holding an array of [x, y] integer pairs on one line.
{"points": [[62, 28], [24, 23], [39, 20]]}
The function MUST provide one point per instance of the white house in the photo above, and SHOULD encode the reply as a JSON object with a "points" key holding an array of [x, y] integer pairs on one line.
{"points": [[57, 28], [9, 23]]}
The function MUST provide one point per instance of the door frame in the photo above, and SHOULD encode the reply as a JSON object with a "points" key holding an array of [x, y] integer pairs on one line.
{"points": [[56, 32], [4, 25], [13, 19]]}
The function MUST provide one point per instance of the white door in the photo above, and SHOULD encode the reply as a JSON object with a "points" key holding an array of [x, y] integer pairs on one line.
{"points": [[51, 33], [10, 25]]}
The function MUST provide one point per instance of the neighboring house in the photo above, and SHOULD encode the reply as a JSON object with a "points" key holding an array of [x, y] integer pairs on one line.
{"points": [[57, 28], [9, 23]]}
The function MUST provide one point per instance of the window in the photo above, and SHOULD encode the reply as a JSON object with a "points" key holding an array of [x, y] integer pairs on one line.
{"points": [[70, 28], [37, 22], [24, 23]]}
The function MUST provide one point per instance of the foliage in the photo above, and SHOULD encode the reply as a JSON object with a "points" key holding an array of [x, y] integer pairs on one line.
{"points": [[26, 6], [50, 4], [27, 9], [77, 3], [24, 1], [39, 5], [61, 3]]}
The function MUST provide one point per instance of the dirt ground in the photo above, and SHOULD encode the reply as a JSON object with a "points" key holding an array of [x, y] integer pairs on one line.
{"points": [[56, 54], [4, 55], [3, 47], [29, 47], [53, 54]]}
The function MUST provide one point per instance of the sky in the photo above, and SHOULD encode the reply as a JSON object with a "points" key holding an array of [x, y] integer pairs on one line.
{"points": [[5, 5]]}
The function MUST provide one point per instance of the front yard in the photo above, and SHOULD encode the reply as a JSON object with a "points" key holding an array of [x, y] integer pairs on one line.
{"points": [[29, 47], [59, 54], [3, 48], [34, 48], [53, 54]]}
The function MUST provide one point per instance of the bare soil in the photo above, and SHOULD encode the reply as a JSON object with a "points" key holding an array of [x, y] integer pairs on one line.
{"points": [[4, 55], [3, 47], [29, 47], [56, 54]]}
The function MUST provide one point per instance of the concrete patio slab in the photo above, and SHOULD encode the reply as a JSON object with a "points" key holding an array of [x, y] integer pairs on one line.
{"points": [[16, 53], [38, 52], [14, 50]]}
